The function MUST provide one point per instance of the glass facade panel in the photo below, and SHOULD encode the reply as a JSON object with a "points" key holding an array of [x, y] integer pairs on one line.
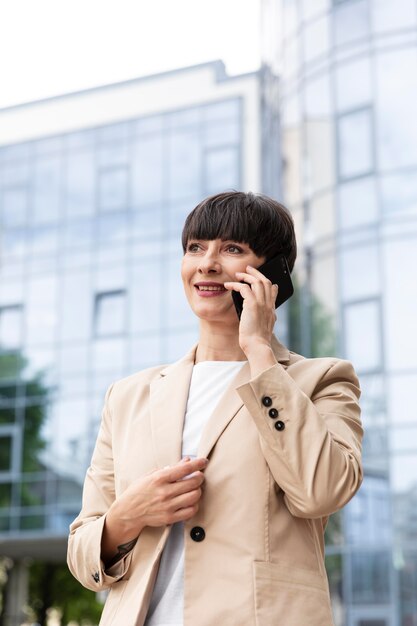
{"points": [[358, 204], [400, 304], [80, 183], [148, 174], [11, 319], [396, 86], [359, 272], [110, 313], [14, 208], [363, 335], [112, 189], [399, 193], [42, 313], [400, 396], [350, 22], [146, 306], [388, 16], [76, 312], [353, 84], [185, 164], [221, 170], [355, 150], [316, 40], [47, 193]]}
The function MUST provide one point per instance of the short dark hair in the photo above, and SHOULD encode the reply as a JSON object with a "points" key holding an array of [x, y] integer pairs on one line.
{"points": [[252, 218]]}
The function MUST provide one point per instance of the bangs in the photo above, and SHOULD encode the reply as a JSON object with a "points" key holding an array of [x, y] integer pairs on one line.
{"points": [[220, 220], [255, 219]]}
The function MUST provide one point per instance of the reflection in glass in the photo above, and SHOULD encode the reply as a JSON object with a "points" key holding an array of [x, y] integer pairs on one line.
{"points": [[147, 285], [353, 84], [221, 169], [226, 109], [184, 164], [388, 16], [112, 227], [110, 313], [358, 203], [148, 175], [400, 304], [80, 183], [44, 240], [112, 189], [350, 21], [359, 272], [221, 133], [47, 190], [396, 85], [355, 143], [371, 577], [316, 38], [76, 310], [363, 320], [399, 193], [11, 318], [14, 206]]}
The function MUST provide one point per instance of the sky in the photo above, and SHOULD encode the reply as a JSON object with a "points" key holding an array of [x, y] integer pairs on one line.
{"points": [[50, 47]]}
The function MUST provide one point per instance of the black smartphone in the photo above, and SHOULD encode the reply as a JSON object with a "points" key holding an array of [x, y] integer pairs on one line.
{"points": [[278, 272]]}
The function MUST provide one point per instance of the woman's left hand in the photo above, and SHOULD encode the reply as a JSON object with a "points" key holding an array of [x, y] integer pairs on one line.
{"points": [[258, 314]]}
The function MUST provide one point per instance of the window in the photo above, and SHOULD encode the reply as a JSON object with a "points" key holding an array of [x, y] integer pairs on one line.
{"points": [[388, 15], [48, 189], [15, 206], [316, 39], [6, 442], [353, 84], [80, 183], [358, 202], [399, 193], [184, 164], [355, 143], [110, 313], [400, 304], [359, 272], [363, 335], [396, 86], [112, 189], [11, 327], [350, 21], [147, 181], [221, 169]]}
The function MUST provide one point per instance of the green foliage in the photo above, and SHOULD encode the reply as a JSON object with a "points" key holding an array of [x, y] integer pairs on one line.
{"points": [[51, 585]]}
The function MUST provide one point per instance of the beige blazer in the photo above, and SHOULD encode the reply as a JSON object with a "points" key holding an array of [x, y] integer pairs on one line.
{"points": [[271, 484]]}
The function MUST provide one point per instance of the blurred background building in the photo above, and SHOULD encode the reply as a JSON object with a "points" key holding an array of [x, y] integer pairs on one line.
{"points": [[347, 86], [94, 188]]}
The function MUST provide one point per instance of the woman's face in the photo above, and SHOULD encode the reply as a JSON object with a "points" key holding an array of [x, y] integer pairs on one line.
{"points": [[206, 265]]}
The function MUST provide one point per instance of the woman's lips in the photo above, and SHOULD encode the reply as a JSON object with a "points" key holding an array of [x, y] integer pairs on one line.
{"points": [[212, 293]]}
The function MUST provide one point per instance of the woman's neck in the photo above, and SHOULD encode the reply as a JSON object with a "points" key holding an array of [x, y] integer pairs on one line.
{"points": [[218, 344]]}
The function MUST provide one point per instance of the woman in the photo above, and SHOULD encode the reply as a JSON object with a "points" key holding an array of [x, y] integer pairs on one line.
{"points": [[213, 478]]}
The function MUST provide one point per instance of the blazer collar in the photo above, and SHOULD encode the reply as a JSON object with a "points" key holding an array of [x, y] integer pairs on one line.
{"points": [[168, 403]]}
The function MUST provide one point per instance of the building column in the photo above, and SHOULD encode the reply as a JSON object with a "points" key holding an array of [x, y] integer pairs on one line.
{"points": [[17, 594]]}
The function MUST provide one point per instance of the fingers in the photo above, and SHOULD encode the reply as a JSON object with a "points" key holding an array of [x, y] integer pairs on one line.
{"points": [[182, 469]]}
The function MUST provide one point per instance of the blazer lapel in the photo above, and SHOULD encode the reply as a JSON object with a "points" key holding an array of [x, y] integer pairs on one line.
{"points": [[230, 402], [168, 402]]}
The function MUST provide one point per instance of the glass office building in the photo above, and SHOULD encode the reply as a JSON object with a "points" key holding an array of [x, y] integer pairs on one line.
{"points": [[90, 290], [348, 85]]}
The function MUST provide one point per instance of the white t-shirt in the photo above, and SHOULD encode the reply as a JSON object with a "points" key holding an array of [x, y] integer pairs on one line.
{"points": [[209, 381]]}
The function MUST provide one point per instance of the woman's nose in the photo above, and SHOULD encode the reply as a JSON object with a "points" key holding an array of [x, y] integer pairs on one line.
{"points": [[209, 263]]}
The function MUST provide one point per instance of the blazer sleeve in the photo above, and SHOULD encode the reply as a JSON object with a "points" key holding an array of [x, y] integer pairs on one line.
{"points": [[84, 543], [314, 453]]}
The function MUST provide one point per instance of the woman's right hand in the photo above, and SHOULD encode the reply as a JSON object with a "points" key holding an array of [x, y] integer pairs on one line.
{"points": [[163, 496]]}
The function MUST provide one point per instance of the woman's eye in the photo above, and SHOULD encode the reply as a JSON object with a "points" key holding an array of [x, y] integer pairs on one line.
{"points": [[234, 249], [192, 247]]}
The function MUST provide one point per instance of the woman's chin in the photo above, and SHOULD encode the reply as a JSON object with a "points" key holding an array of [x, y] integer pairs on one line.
{"points": [[211, 314]]}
